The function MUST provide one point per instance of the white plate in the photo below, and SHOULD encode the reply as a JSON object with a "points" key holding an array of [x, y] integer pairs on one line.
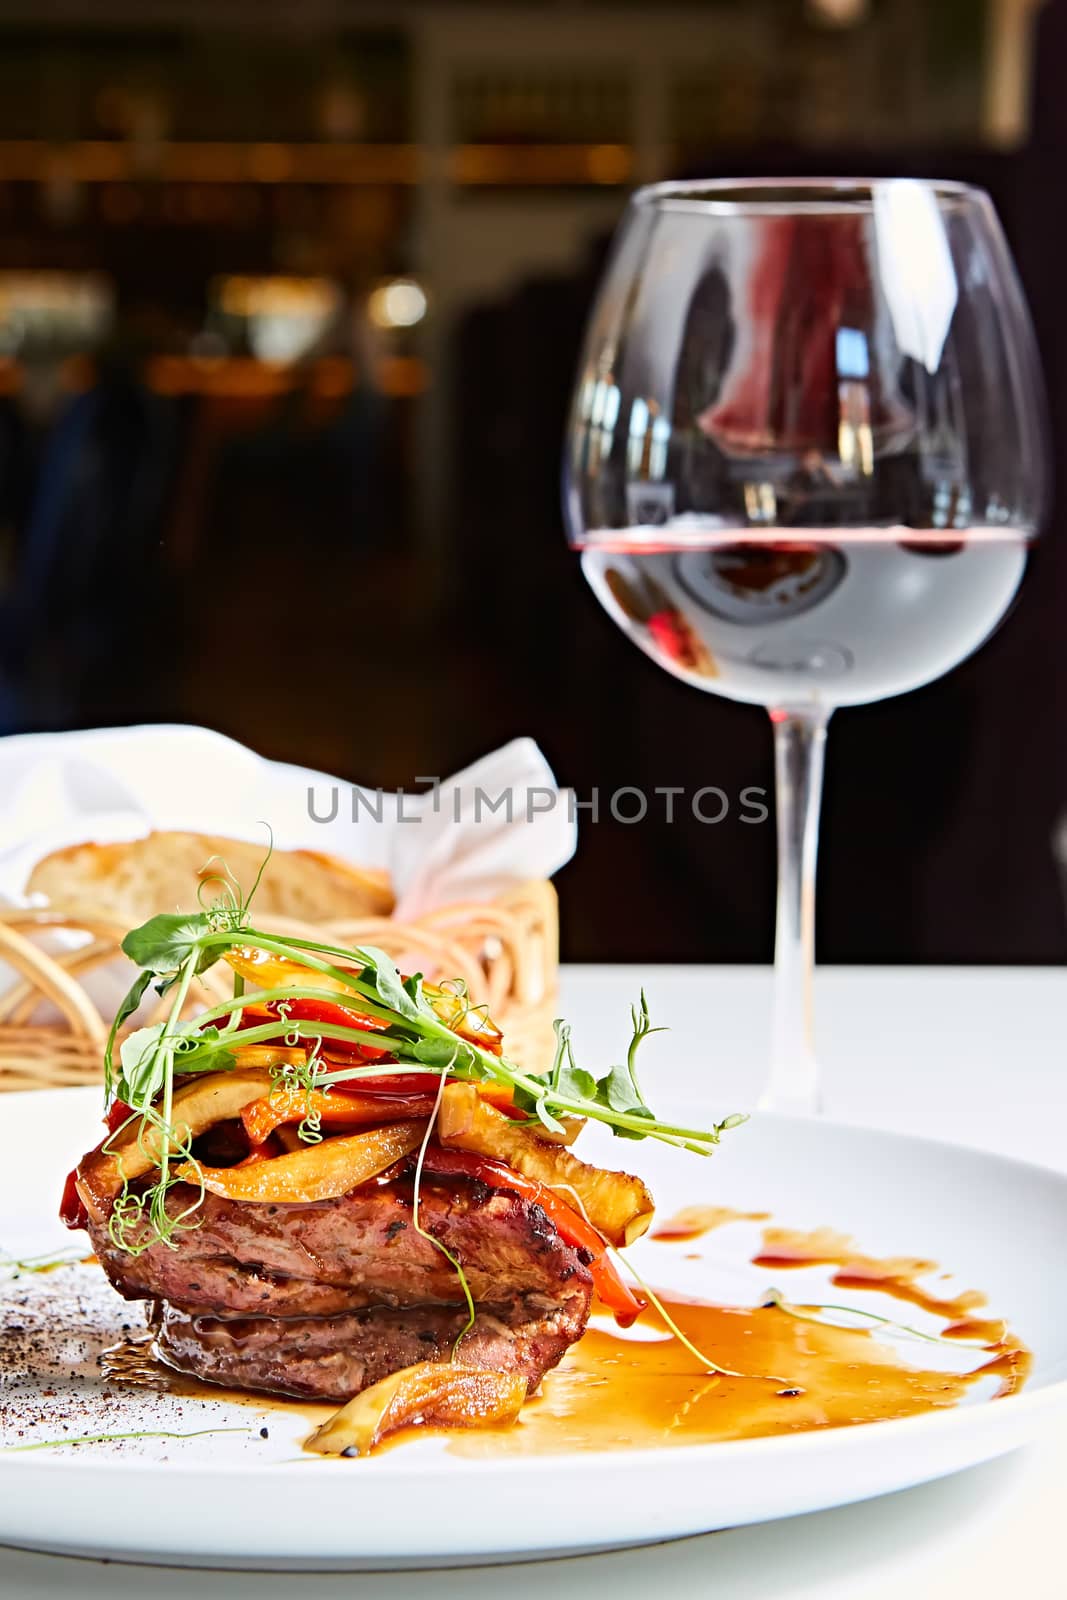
{"points": [[237, 1499]]}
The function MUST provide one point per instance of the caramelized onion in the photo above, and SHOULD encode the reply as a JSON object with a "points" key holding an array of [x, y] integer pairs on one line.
{"points": [[441, 1393], [317, 1172], [135, 1150], [619, 1206]]}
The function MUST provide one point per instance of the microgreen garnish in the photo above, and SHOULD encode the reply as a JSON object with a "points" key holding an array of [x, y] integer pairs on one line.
{"points": [[304, 1076], [418, 1025], [425, 1233], [42, 1263], [108, 1438], [672, 1327], [775, 1297]]}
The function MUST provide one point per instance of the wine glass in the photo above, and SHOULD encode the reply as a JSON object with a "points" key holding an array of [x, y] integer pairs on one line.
{"points": [[805, 458]]}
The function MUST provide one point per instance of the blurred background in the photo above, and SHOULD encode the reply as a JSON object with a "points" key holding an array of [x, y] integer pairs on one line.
{"points": [[290, 301]]}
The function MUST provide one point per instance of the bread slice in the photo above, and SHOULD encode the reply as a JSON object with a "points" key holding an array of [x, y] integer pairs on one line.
{"points": [[129, 882]]}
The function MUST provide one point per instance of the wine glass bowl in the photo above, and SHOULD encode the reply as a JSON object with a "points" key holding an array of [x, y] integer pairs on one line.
{"points": [[805, 460], [809, 355]]}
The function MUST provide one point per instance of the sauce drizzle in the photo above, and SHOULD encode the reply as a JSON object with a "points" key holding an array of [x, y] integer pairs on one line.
{"points": [[691, 1222], [892, 1275]]}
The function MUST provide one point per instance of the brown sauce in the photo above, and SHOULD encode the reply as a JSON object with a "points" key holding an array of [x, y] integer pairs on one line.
{"points": [[134, 1364], [614, 1392], [977, 1330], [893, 1275], [692, 1222]]}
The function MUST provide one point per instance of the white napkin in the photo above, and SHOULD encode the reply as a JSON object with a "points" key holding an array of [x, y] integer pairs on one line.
{"points": [[498, 824]]}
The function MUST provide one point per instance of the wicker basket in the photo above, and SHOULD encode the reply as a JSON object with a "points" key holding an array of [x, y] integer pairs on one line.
{"points": [[506, 950]]}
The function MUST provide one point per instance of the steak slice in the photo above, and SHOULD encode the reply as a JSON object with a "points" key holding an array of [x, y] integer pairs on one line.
{"points": [[333, 1358], [325, 1298]]}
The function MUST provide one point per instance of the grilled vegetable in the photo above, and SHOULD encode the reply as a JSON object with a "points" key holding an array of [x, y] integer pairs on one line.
{"points": [[264, 971], [268, 1055], [361, 1103], [500, 1095], [404, 1015], [275, 972], [619, 1206], [135, 1149], [442, 1393], [319, 1172], [295, 1104]]}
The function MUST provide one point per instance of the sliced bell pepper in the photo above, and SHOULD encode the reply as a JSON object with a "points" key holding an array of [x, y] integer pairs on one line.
{"points": [[266, 971], [487, 1036], [261, 970], [268, 1055], [118, 1113], [72, 1212], [394, 1083], [294, 1104], [273, 972], [468, 1022], [389, 1083], [611, 1288], [330, 1014]]}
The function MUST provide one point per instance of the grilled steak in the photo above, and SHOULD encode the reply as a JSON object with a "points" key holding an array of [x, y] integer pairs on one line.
{"points": [[323, 1299], [333, 1358]]}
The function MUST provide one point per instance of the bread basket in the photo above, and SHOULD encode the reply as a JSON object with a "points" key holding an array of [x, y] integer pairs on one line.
{"points": [[52, 1031]]}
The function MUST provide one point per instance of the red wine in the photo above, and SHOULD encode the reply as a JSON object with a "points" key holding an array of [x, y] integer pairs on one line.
{"points": [[799, 617]]}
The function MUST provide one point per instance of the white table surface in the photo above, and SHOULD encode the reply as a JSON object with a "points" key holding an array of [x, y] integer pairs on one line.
{"points": [[977, 1056]]}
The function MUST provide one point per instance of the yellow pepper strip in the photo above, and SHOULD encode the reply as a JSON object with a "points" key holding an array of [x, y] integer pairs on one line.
{"points": [[265, 971], [268, 1055]]}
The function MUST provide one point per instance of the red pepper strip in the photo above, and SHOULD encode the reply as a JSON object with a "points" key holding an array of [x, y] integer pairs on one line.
{"points": [[346, 1016], [261, 1152], [338, 1016], [389, 1083], [118, 1113], [572, 1228], [72, 1211], [497, 1094]]}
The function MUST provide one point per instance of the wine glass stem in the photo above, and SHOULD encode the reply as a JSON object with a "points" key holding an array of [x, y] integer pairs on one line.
{"points": [[799, 742]]}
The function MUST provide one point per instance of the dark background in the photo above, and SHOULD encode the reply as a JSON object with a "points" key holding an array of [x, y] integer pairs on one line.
{"points": [[234, 492]]}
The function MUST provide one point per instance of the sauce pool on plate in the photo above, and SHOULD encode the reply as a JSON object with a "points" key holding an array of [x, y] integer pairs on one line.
{"points": [[616, 1391]]}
